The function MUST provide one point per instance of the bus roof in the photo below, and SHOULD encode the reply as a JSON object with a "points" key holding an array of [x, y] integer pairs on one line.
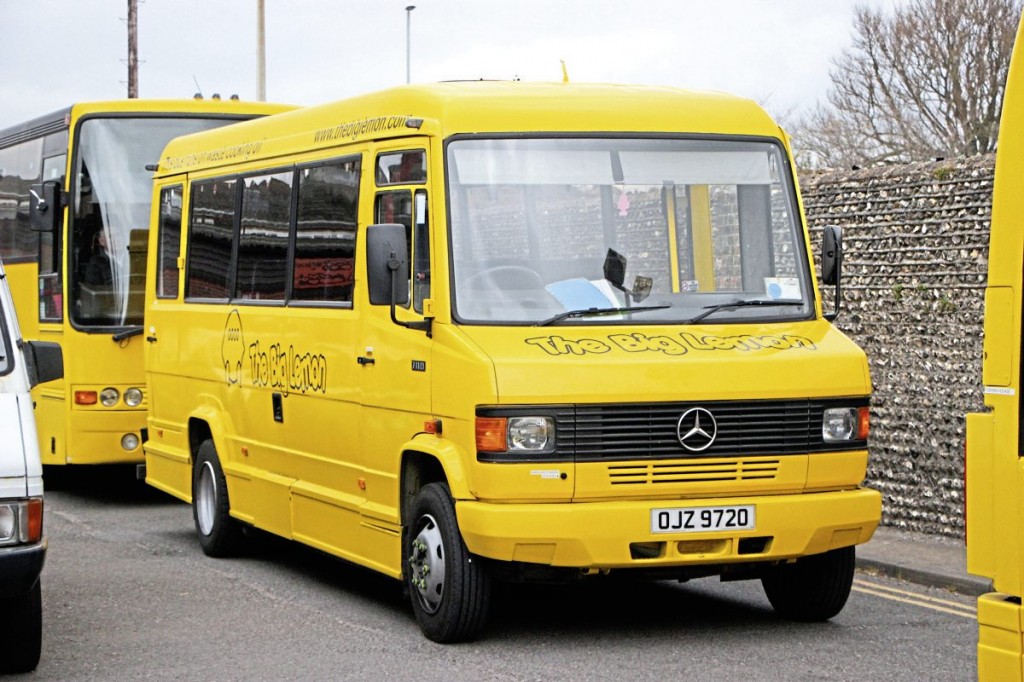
{"points": [[446, 109], [61, 118]]}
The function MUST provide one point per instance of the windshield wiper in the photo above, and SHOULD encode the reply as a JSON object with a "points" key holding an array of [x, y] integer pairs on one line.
{"points": [[587, 312], [741, 303]]}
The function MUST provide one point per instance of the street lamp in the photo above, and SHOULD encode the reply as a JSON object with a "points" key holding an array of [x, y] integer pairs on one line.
{"points": [[261, 51], [408, 26]]}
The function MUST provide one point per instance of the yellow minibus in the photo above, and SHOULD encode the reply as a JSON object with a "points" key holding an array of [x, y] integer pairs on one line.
{"points": [[74, 216], [995, 441], [491, 331]]}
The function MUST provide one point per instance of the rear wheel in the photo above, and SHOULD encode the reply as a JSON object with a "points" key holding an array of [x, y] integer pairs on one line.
{"points": [[21, 631], [814, 588], [219, 534], [450, 588]]}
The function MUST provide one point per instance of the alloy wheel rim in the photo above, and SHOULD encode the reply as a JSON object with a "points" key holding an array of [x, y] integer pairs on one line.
{"points": [[206, 499]]}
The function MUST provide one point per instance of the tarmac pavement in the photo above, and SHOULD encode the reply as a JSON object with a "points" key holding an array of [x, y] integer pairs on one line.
{"points": [[922, 559]]}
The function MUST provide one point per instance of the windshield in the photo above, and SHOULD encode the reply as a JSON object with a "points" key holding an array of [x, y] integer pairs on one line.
{"points": [[112, 193], [642, 231]]}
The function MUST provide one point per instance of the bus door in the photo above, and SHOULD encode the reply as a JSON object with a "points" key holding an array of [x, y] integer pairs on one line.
{"points": [[396, 359]]}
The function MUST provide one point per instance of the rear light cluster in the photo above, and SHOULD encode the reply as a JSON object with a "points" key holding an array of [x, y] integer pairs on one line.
{"points": [[110, 397]]}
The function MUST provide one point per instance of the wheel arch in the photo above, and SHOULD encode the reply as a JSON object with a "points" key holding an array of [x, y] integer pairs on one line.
{"points": [[207, 422], [425, 463]]}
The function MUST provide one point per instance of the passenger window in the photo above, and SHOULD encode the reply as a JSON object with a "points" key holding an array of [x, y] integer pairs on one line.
{"points": [[169, 244], [20, 168], [263, 237], [326, 232], [210, 238], [402, 168]]}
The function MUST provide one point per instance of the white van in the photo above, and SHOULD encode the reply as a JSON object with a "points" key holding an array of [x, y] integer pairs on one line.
{"points": [[22, 543]]}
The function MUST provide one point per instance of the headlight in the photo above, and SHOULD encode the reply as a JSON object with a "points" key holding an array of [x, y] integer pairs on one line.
{"points": [[525, 435], [109, 396], [841, 424], [533, 434], [8, 523], [129, 441], [133, 397], [21, 522]]}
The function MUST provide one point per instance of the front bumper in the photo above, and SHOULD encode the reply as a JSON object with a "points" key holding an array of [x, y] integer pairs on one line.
{"points": [[1000, 643], [98, 436], [20, 568], [616, 534]]}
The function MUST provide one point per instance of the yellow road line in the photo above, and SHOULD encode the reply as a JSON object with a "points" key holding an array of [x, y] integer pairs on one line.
{"points": [[914, 599]]}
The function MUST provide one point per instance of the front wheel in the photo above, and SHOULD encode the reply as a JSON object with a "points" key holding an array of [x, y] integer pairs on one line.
{"points": [[450, 588], [815, 588], [21, 631], [219, 534]]}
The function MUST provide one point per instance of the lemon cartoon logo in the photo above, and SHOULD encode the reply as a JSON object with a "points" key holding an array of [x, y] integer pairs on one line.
{"points": [[232, 348]]}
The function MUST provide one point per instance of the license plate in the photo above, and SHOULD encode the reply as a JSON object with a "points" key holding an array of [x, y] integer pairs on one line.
{"points": [[701, 519]]}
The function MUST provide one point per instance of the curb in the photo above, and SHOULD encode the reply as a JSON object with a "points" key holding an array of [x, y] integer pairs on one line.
{"points": [[965, 585]]}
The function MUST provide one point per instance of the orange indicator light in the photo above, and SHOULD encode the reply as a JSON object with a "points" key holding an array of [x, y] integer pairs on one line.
{"points": [[86, 397], [491, 434], [863, 422]]}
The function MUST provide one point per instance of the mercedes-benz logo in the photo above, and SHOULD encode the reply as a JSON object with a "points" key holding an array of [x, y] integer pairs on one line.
{"points": [[697, 429]]}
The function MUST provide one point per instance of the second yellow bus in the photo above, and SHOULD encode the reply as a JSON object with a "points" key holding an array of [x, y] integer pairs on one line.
{"points": [[74, 220]]}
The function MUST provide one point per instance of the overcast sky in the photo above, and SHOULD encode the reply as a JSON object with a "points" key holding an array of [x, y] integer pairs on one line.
{"points": [[55, 52]]}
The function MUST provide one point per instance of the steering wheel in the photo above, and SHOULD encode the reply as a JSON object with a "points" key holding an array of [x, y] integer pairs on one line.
{"points": [[505, 277]]}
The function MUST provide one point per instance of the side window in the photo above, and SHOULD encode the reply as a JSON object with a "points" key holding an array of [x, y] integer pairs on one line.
{"points": [[170, 243], [50, 297], [420, 271], [326, 232], [6, 361], [402, 168], [210, 236], [397, 206], [263, 237]]}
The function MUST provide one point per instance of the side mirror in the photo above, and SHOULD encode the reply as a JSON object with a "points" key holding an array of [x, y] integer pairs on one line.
{"points": [[831, 254], [44, 206], [45, 361], [832, 263], [387, 264]]}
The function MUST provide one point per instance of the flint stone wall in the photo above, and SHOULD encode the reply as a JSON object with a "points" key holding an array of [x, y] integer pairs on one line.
{"points": [[915, 241]]}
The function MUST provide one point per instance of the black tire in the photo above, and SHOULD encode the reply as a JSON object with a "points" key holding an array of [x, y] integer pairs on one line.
{"points": [[813, 589], [219, 534], [452, 607], [21, 631]]}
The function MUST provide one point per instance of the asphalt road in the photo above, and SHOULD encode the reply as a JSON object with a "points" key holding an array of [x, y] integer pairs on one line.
{"points": [[128, 595]]}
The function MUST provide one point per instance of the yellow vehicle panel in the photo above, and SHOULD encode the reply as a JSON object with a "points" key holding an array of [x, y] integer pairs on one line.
{"points": [[994, 470]]}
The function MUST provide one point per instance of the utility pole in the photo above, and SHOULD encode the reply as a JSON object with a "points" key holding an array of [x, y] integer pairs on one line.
{"points": [[133, 50], [261, 52]]}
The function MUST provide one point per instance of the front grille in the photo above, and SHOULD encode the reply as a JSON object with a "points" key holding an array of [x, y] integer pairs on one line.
{"points": [[759, 427], [648, 431]]}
